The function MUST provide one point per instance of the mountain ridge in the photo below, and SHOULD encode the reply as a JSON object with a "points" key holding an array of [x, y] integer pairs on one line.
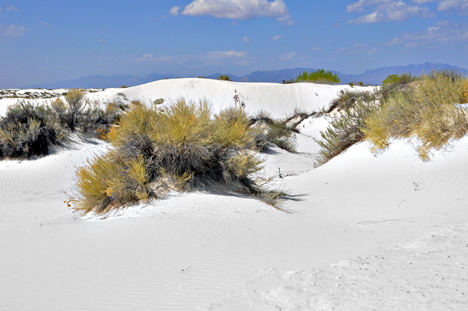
{"points": [[371, 77]]}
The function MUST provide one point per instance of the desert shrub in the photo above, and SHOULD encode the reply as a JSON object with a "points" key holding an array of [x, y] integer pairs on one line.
{"points": [[224, 78], [76, 103], [345, 129], [28, 129], [427, 111], [180, 147], [318, 76]]}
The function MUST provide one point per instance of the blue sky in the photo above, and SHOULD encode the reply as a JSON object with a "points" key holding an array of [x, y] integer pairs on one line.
{"points": [[49, 40]]}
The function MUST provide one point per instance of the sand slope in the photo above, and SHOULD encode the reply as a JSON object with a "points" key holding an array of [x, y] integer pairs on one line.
{"points": [[213, 251]]}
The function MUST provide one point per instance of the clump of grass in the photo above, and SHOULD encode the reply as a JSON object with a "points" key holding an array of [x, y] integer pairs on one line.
{"points": [[345, 129], [427, 111], [181, 147]]}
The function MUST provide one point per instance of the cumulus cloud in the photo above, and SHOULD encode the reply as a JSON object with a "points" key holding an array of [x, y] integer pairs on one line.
{"points": [[210, 58], [441, 33], [275, 38], [240, 9], [175, 11], [461, 6], [386, 10], [246, 39], [12, 31]]}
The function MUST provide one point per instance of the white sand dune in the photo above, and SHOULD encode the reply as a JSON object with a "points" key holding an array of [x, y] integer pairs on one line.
{"points": [[393, 215]]}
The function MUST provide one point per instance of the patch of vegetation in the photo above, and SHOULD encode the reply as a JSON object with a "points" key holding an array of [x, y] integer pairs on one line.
{"points": [[396, 82], [30, 128], [427, 110], [318, 76], [405, 107], [181, 147], [224, 78]]}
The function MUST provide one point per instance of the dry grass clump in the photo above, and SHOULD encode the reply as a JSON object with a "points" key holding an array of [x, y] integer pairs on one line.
{"points": [[427, 110], [180, 147]]}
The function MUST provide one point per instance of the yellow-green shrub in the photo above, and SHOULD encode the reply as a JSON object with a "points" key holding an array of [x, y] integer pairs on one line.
{"points": [[427, 110], [181, 146]]}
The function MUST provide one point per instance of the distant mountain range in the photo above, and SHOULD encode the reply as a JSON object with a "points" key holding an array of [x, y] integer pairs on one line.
{"points": [[372, 77]]}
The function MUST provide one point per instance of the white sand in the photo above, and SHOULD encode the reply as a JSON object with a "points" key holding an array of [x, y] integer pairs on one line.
{"points": [[393, 215]]}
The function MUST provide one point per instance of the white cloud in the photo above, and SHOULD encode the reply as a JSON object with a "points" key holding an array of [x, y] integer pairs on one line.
{"points": [[316, 48], [246, 39], [386, 10], [359, 6], [210, 58], [11, 8], [287, 56], [373, 51], [441, 33], [175, 11], [394, 41], [12, 31], [275, 38], [240, 9]]}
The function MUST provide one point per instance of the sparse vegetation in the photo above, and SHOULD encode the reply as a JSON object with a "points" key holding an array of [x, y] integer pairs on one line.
{"points": [[318, 76], [181, 147], [277, 132], [224, 78], [405, 107]]}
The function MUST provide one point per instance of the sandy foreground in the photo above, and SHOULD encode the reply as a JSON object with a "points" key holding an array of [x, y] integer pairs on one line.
{"points": [[363, 232]]}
